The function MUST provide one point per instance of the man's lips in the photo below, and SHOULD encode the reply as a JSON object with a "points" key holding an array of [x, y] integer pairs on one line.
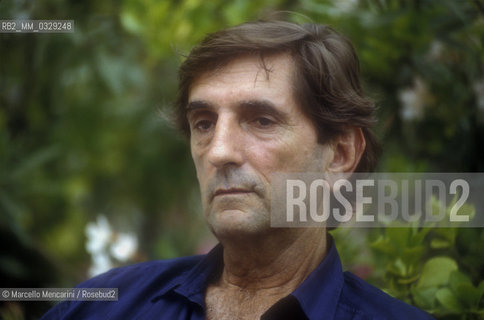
{"points": [[230, 191]]}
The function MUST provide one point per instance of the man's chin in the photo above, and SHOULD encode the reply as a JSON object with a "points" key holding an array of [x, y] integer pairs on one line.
{"points": [[236, 223]]}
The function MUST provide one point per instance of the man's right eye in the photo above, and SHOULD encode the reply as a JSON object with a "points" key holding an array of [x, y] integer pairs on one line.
{"points": [[203, 125]]}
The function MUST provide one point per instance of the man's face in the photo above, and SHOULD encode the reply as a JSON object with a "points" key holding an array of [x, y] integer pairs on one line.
{"points": [[245, 125]]}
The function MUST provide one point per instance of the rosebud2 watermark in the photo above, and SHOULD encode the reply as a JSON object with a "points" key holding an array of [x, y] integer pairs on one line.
{"points": [[373, 200], [59, 294]]}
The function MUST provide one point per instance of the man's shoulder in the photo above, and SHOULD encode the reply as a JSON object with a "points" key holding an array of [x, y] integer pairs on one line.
{"points": [[361, 298], [137, 285], [157, 271]]}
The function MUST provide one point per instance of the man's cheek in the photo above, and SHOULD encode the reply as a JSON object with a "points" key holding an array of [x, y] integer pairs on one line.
{"points": [[199, 169], [288, 162]]}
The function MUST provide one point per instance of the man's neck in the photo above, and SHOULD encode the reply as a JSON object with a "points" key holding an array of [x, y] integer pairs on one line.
{"points": [[260, 272], [270, 263]]}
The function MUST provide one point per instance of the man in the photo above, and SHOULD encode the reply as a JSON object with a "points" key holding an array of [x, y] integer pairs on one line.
{"points": [[257, 99]]}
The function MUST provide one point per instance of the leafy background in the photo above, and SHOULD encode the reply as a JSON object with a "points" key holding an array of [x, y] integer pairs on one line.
{"points": [[89, 164]]}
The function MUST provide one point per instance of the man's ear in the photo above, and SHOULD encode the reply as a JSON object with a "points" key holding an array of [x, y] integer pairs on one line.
{"points": [[347, 150]]}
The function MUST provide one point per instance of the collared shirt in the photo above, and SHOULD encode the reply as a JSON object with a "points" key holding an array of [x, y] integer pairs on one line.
{"points": [[175, 290]]}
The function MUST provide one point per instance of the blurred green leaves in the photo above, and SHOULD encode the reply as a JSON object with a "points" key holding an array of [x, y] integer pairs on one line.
{"points": [[438, 44], [166, 26], [424, 265]]}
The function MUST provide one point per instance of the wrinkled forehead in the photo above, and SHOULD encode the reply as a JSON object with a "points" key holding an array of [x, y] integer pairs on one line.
{"points": [[266, 68]]}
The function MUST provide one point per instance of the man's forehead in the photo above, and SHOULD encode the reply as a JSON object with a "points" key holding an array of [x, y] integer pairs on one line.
{"points": [[264, 68]]}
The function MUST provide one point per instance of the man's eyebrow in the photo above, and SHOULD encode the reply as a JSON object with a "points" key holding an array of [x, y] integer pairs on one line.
{"points": [[263, 106], [198, 104]]}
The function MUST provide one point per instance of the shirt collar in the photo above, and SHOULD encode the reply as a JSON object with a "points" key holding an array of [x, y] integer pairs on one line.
{"points": [[193, 283], [320, 291]]}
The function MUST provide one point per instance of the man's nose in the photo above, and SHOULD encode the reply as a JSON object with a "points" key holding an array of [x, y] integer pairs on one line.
{"points": [[226, 146]]}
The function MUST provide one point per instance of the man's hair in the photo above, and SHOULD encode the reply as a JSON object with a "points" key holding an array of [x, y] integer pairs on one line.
{"points": [[326, 79]]}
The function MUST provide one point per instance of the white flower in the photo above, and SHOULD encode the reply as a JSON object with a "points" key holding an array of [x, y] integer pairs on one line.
{"points": [[98, 235], [103, 244], [414, 100], [124, 247]]}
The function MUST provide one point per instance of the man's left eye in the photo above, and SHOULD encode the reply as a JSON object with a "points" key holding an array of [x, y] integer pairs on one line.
{"points": [[264, 122]]}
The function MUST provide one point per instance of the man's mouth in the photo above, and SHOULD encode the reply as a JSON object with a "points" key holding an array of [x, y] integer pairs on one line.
{"points": [[231, 191]]}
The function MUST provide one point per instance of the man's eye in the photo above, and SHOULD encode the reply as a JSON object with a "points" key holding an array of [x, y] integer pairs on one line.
{"points": [[203, 125], [263, 122]]}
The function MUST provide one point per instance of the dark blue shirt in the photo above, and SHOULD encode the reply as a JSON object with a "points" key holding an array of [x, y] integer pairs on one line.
{"points": [[174, 289]]}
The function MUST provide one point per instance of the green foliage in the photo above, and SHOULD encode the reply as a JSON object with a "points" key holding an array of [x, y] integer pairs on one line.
{"points": [[429, 276], [423, 266], [165, 25], [431, 52]]}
